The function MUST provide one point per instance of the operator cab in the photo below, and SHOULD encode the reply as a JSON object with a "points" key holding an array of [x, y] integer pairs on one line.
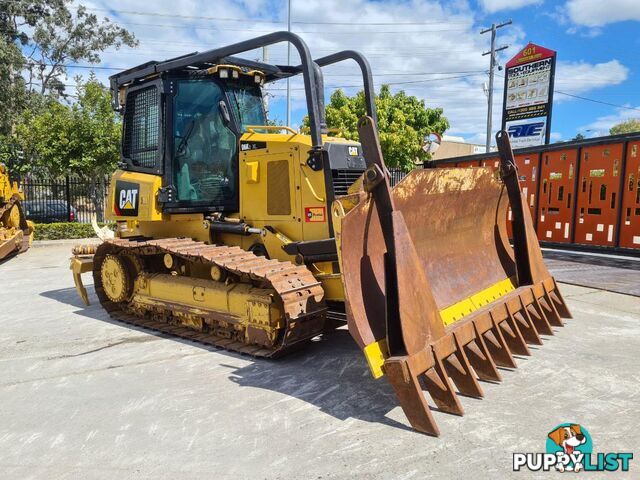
{"points": [[205, 115], [184, 118]]}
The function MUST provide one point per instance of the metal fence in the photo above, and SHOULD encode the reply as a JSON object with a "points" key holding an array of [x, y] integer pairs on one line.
{"points": [[68, 199], [396, 175]]}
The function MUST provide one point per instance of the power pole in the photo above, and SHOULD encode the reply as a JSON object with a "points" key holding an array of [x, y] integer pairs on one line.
{"points": [[492, 65], [289, 63], [265, 59]]}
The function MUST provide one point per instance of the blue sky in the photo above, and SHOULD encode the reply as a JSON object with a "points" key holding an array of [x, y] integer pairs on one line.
{"points": [[431, 49]]}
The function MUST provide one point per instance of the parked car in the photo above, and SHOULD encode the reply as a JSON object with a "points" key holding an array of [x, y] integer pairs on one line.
{"points": [[49, 211]]}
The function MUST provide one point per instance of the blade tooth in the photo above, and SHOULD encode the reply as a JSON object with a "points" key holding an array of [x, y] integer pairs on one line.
{"points": [[452, 364], [561, 305], [491, 340], [459, 369], [513, 336], [406, 386], [539, 319], [527, 328], [440, 388], [550, 311], [498, 348], [481, 359], [552, 305]]}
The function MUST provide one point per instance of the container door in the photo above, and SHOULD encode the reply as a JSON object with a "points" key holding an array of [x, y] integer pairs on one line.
{"points": [[598, 195]]}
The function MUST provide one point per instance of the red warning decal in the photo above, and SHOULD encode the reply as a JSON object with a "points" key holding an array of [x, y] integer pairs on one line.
{"points": [[315, 214]]}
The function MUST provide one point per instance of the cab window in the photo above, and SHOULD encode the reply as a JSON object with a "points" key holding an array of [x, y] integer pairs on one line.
{"points": [[204, 146], [141, 142], [246, 102]]}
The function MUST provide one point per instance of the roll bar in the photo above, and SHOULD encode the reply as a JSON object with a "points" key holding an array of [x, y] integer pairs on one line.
{"points": [[310, 69], [306, 68], [367, 77]]}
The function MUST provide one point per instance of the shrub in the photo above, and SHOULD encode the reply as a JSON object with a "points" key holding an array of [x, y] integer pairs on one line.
{"points": [[59, 231]]}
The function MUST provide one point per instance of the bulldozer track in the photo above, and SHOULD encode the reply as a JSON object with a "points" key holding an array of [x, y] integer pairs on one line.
{"points": [[300, 292]]}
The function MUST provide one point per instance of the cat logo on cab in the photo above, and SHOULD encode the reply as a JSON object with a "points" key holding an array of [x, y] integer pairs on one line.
{"points": [[126, 199]]}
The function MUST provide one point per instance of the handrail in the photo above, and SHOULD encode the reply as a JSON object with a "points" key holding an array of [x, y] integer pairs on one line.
{"points": [[252, 128]]}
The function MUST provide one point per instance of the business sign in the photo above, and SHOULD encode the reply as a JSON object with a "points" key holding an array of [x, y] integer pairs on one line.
{"points": [[528, 96], [524, 133]]}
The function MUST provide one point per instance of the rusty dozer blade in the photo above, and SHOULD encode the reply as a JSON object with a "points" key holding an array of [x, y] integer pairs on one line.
{"points": [[436, 296]]}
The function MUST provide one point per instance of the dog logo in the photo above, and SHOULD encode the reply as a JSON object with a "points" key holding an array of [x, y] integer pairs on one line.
{"points": [[569, 448], [127, 196], [570, 439]]}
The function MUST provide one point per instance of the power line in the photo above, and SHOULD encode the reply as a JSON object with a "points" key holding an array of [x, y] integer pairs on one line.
{"points": [[597, 101], [259, 20], [324, 32], [144, 41], [99, 67], [408, 82]]}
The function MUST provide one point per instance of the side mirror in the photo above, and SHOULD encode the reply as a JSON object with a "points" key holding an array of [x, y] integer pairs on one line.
{"points": [[224, 111]]}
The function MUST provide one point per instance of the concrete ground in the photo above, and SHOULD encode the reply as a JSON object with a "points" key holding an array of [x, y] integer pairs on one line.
{"points": [[84, 397], [620, 274]]}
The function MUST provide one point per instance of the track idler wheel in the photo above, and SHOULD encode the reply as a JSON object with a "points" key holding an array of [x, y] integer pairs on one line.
{"points": [[116, 278], [11, 218]]}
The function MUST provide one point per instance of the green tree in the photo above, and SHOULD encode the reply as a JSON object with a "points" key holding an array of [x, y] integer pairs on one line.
{"points": [[403, 122], [81, 138], [39, 39], [579, 136], [67, 38], [630, 126]]}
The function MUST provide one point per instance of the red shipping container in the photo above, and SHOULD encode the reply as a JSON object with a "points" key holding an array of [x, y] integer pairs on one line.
{"points": [[555, 205], [598, 194], [630, 221]]}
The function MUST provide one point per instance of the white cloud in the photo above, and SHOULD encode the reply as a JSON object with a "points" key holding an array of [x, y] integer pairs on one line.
{"points": [[580, 77], [595, 13], [601, 125], [493, 6], [409, 48], [427, 53]]}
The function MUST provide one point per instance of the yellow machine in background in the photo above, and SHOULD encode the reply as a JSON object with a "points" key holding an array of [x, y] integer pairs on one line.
{"points": [[15, 230], [255, 238]]}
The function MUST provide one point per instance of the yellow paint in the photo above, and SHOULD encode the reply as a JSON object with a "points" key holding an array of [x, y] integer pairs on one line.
{"points": [[306, 187], [148, 208], [310, 185], [115, 280], [375, 353], [80, 265], [331, 284], [253, 170], [8, 189], [194, 300], [307, 190], [458, 310]]}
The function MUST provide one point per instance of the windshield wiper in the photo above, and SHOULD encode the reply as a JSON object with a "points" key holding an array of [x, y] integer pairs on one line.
{"points": [[185, 138]]}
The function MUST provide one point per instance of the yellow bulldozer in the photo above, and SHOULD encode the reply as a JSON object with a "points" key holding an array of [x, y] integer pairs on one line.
{"points": [[16, 232], [256, 238]]}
